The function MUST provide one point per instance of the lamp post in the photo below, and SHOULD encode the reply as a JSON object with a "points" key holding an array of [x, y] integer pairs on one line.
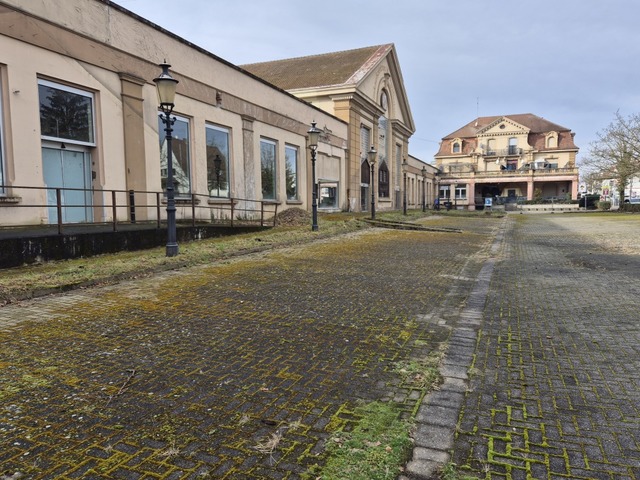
{"points": [[455, 194], [405, 164], [314, 134], [436, 195], [372, 161], [424, 188], [166, 87], [217, 164]]}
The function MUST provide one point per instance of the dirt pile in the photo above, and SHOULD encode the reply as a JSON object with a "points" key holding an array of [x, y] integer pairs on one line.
{"points": [[293, 217]]}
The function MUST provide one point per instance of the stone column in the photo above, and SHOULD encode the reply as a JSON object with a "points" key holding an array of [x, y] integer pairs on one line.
{"points": [[471, 194], [530, 188], [133, 120], [249, 175]]}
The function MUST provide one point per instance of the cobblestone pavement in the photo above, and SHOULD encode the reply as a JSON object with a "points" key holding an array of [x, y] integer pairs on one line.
{"points": [[554, 390], [185, 374]]}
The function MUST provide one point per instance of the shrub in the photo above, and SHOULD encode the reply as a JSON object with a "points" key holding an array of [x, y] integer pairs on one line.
{"points": [[605, 205]]}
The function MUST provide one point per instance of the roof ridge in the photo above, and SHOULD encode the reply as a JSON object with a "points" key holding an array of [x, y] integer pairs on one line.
{"points": [[318, 55]]}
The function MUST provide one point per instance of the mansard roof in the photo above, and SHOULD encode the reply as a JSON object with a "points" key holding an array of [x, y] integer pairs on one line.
{"points": [[538, 128], [534, 123], [329, 69]]}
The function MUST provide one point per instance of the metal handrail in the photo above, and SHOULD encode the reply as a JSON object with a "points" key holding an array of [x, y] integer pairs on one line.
{"points": [[231, 211]]}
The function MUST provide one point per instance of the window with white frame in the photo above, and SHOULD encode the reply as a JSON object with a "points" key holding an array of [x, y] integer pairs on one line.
{"points": [[217, 139], [291, 171], [66, 113], [268, 169], [491, 146], [461, 192], [180, 160]]}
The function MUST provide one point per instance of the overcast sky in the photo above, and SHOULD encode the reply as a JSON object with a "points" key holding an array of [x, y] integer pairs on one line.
{"points": [[573, 62]]}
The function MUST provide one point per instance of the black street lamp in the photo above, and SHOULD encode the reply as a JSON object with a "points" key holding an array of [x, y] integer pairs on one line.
{"points": [[166, 87], [436, 195], [372, 161], [217, 165], [314, 134], [424, 187], [405, 164]]}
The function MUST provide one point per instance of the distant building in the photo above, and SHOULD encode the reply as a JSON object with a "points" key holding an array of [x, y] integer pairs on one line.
{"points": [[363, 87], [506, 158]]}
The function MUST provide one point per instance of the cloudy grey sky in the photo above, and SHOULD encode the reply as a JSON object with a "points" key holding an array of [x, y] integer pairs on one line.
{"points": [[573, 62]]}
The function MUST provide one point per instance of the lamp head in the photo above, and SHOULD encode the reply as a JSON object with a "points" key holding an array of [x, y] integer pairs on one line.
{"points": [[371, 154], [166, 87], [314, 135]]}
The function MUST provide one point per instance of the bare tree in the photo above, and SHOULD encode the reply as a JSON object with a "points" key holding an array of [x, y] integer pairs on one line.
{"points": [[616, 152]]}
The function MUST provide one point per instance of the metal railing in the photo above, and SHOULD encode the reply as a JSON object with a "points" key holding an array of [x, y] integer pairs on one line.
{"points": [[520, 172], [76, 206], [503, 152]]}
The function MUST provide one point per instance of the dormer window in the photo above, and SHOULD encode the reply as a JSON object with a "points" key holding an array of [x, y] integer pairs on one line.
{"points": [[456, 147], [552, 140]]}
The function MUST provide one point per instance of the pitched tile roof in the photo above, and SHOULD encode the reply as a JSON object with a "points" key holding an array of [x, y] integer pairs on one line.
{"points": [[534, 123], [338, 68]]}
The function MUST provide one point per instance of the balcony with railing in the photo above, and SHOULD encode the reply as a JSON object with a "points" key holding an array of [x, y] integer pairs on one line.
{"points": [[504, 152], [459, 170]]}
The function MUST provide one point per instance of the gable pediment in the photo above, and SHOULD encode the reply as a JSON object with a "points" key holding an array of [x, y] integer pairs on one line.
{"points": [[503, 126], [385, 77]]}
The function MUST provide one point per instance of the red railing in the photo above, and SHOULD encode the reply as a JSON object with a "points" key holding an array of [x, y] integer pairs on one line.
{"points": [[77, 206]]}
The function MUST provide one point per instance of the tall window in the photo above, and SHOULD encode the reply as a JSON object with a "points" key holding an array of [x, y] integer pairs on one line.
{"points": [[382, 139], [365, 142], [66, 114], [268, 169], [1, 147], [291, 171], [456, 147], [491, 146], [383, 180], [180, 158], [398, 162], [218, 161], [513, 146]]}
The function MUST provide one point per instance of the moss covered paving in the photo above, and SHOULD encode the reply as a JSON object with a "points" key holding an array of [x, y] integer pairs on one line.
{"points": [[241, 369]]}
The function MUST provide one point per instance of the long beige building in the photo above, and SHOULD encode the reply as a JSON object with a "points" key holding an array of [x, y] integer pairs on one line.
{"points": [[504, 158], [80, 127]]}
